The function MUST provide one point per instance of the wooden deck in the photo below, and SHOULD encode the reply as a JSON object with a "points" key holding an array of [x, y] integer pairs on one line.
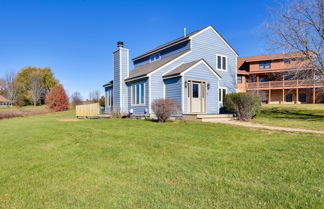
{"points": [[289, 84]]}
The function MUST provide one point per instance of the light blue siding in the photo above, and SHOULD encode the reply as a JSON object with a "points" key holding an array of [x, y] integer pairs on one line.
{"points": [[201, 72], [165, 53], [121, 65], [173, 89], [205, 45], [108, 108], [116, 84], [138, 109]]}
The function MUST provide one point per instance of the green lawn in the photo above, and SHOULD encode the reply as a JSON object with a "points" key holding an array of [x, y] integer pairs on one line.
{"points": [[48, 161], [308, 116]]}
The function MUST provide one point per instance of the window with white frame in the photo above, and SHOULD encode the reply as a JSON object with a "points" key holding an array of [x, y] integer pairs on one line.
{"points": [[155, 57], [138, 94], [221, 94], [221, 62]]}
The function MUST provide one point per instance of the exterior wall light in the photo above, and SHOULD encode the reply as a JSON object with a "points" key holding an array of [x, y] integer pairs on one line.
{"points": [[208, 86]]}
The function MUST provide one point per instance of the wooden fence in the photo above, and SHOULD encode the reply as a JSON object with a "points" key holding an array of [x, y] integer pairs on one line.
{"points": [[87, 110]]}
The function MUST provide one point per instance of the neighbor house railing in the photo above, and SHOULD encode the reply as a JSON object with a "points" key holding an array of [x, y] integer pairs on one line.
{"points": [[285, 84]]}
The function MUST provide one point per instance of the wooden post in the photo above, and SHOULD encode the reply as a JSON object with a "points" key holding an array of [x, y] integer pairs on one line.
{"points": [[314, 96], [283, 96], [269, 97], [297, 95], [258, 84]]}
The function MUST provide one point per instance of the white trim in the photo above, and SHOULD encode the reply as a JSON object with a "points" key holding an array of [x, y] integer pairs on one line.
{"points": [[218, 97], [166, 64], [182, 95], [222, 98], [198, 63], [164, 90], [211, 27], [226, 66], [159, 50], [172, 69], [120, 82], [140, 92], [149, 94]]}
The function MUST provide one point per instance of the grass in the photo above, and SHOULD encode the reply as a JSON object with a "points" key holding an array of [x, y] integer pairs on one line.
{"points": [[307, 116], [51, 161]]}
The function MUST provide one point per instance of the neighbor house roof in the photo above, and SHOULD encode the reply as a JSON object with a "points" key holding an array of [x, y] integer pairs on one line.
{"points": [[264, 57], [177, 41], [3, 99], [145, 69]]}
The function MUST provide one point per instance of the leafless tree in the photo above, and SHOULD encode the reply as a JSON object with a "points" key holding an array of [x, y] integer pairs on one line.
{"points": [[11, 87], [94, 96], [76, 98], [298, 26], [37, 88]]}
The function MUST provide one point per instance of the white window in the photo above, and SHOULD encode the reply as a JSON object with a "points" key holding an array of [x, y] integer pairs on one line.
{"points": [[221, 62], [221, 94], [138, 94], [155, 57]]}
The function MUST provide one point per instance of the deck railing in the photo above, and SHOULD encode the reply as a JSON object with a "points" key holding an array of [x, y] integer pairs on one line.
{"points": [[285, 84]]}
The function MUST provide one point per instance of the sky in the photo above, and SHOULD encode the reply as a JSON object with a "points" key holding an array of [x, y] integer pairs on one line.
{"points": [[76, 38]]}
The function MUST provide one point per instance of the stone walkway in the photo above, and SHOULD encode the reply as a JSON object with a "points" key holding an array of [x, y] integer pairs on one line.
{"points": [[256, 125]]}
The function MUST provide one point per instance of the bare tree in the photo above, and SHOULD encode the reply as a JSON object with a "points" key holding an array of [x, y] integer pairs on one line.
{"points": [[94, 96], [76, 98], [37, 88], [298, 26], [11, 87]]}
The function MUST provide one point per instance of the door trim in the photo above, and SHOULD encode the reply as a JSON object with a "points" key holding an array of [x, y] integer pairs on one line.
{"points": [[203, 92]]}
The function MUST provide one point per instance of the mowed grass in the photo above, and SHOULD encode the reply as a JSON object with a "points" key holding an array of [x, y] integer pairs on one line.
{"points": [[50, 161], [307, 116]]}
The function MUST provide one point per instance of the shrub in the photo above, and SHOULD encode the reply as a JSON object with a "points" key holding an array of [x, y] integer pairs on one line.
{"points": [[57, 99], [245, 104], [102, 101], [164, 108], [116, 113]]}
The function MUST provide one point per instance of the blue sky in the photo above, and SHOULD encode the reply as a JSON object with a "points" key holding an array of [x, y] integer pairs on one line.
{"points": [[76, 37]]}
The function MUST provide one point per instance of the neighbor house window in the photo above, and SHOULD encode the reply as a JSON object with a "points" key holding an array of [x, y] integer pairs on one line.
{"points": [[221, 62], [265, 65], [138, 94], [287, 61], [239, 79], [221, 94], [289, 98], [155, 57]]}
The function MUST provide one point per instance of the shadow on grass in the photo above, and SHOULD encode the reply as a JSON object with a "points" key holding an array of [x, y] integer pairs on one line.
{"points": [[292, 114]]}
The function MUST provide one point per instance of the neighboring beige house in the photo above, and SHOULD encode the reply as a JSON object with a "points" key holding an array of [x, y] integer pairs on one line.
{"points": [[4, 101]]}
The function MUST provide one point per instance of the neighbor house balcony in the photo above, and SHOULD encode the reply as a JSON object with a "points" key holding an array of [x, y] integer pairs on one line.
{"points": [[286, 84]]}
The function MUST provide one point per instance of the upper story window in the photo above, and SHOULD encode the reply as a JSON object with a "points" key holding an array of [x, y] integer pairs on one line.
{"points": [[138, 94], [239, 79], [155, 57], [221, 62], [265, 65], [287, 61]]}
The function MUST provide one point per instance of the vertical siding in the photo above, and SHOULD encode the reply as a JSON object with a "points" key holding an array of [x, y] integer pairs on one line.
{"points": [[116, 76], [121, 68], [138, 109], [107, 108], [173, 89], [201, 72]]}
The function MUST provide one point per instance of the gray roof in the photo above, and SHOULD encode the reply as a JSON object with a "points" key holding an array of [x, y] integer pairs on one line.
{"points": [[178, 70], [110, 83], [145, 69], [176, 41]]}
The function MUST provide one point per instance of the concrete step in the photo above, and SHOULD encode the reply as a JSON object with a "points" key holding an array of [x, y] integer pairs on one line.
{"points": [[214, 116], [215, 119]]}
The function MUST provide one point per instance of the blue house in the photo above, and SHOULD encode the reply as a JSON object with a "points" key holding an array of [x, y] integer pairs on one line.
{"points": [[196, 70]]}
